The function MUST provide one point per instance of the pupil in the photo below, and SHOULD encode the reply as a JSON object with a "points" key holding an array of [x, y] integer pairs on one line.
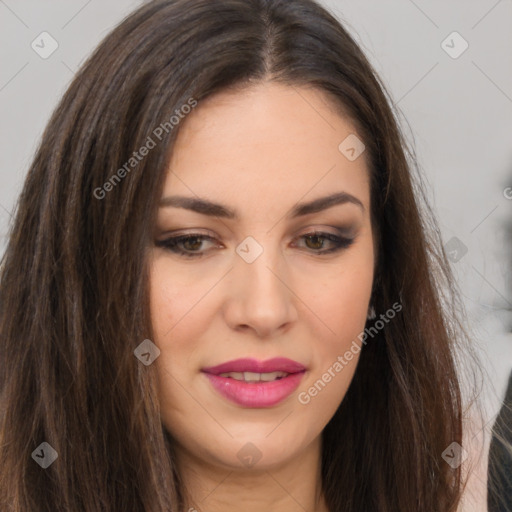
{"points": [[196, 245], [318, 239]]}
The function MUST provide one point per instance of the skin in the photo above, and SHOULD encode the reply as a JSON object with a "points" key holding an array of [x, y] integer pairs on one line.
{"points": [[258, 151]]}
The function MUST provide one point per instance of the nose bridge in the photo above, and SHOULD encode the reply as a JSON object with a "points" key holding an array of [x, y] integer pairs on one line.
{"points": [[257, 264], [259, 297]]}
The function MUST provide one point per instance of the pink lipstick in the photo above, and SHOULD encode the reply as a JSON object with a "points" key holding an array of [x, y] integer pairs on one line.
{"points": [[253, 383]]}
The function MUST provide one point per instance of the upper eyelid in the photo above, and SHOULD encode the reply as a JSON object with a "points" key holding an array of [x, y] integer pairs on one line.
{"points": [[310, 232], [347, 231]]}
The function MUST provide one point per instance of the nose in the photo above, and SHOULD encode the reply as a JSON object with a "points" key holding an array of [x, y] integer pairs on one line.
{"points": [[259, 296]]}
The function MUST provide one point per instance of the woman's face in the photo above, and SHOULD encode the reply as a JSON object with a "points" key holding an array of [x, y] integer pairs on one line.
{"points": [[255, 281]]}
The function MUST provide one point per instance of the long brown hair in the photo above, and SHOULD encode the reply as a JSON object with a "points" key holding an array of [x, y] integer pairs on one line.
{"points": [[73, 290]]}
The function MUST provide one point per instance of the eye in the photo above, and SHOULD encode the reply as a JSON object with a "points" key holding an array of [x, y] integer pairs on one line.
{"points": [[185, 245], [317, 240], [192, 245]]}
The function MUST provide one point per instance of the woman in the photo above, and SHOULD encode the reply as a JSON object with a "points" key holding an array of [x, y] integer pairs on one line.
{"points": [[223, 197]]}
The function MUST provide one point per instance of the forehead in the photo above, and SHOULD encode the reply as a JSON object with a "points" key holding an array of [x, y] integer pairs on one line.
{"points": [[266, 141]]}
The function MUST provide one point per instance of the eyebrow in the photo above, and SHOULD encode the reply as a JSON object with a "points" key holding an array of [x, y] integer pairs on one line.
{"points": [[206, 207]]}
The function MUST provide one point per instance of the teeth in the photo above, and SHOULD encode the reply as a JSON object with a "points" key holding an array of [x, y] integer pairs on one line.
{"points": [[233, 375], [267, 377], [254, 377]]}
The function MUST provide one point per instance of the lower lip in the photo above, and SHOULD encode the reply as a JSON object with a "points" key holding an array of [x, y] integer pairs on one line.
{"points": [[260, 394]]}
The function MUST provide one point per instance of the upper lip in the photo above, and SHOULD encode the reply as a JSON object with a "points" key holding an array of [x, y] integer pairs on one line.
{"points": [[277, 364]]}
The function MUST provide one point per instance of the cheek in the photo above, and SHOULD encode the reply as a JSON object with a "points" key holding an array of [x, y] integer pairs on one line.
{"points": [[339, 309], [177, 316], [177, 321], [165, 308], [341, 300], [349, 305], [343, 309], [175, 300]]}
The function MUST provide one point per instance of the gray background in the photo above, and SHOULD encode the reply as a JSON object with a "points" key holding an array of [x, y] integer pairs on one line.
{"points": [[456, 111]]}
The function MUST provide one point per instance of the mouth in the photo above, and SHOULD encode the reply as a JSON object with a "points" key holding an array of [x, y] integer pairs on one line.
{"points": [[252, 377], [252, 367], [253, 383]]}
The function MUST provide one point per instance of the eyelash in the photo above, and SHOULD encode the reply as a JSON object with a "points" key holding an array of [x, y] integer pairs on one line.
{"points": [[171, 243]]}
